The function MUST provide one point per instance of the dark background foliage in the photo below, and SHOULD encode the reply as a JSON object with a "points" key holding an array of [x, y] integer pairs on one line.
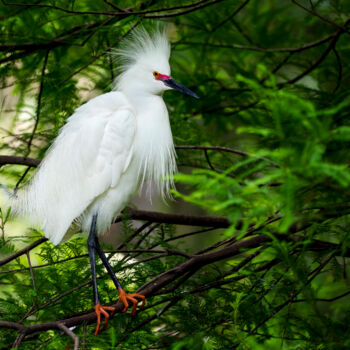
{"points": [[265, 148]]}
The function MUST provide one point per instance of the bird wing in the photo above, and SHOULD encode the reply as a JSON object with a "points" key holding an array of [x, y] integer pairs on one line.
{"points": [[88, 157]]}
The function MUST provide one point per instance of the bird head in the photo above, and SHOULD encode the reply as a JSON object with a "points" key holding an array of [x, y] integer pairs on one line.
{"points": [[145, 65], [170, 83]]}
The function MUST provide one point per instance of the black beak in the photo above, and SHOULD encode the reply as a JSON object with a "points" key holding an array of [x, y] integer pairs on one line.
{"points": [[177, 86]]}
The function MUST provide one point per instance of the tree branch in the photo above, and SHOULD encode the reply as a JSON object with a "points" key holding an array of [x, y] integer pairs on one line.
{"points": [[23, 251], [176, 219], [35, 162]]}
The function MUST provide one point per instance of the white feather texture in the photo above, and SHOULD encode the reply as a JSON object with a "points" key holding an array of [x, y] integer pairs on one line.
{"points": [[107, 148], [141, 46]]}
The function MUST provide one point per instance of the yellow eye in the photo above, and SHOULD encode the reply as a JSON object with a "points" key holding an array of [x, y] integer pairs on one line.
{"points": [[155, 74]]}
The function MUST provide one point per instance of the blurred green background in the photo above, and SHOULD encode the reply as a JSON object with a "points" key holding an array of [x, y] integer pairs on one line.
{"points": [[274, 82]]}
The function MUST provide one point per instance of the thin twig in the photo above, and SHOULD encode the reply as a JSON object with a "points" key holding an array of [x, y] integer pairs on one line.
{"points": [[213, 148], [105, 51], [38, 107], [263, 49], [324, 19], [340, 69], [31, 273], [192, 7], [315, 64], [70, 334], [18, 340], [208, 160], [293, 295], [37, 117]]}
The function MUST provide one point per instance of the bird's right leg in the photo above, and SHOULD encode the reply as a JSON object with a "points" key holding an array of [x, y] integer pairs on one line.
{"points": [[98, 308], [124, 297]]}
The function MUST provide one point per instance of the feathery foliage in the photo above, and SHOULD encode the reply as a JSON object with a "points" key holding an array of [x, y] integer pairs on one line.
{"points": [[266, 146]]}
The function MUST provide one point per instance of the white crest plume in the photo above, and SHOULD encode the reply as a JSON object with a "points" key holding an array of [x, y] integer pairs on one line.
{"points": [[141, 47]]}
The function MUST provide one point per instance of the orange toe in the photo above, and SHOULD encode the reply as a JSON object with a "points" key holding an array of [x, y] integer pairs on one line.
{"points": [[102, 310], [126, 298]]}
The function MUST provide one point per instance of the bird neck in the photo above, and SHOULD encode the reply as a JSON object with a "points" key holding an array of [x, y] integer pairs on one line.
{"points": [[143, 101], [153, 148]]}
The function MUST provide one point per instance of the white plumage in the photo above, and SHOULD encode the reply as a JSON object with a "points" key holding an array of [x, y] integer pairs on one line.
{"points": [[104, 153], [108, 147]]}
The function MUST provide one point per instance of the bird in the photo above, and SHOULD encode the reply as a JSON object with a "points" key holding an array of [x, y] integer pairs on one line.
{"points": [[106, 151]]}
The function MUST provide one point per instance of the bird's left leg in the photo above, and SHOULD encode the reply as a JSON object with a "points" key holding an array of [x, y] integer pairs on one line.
{"points": [[98, 308], [123, 296]]}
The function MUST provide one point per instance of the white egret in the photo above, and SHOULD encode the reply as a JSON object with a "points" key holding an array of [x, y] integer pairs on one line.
{"points": [[104, 153]]}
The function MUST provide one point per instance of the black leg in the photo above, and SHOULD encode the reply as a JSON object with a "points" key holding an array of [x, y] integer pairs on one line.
{"points": [[91, 248], [106, 263], [94, 245], [123, 296]]}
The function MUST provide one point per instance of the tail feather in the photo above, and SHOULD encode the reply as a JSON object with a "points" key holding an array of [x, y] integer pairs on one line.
{"points": [[24, 204], [16, 203]]}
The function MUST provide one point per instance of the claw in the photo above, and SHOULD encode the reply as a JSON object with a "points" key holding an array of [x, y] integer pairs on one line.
{"points": [[125, 298], [102, 310]]}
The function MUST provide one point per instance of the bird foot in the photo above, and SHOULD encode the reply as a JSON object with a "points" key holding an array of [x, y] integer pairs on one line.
{"points": [[102, 310], [125, 298]]}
